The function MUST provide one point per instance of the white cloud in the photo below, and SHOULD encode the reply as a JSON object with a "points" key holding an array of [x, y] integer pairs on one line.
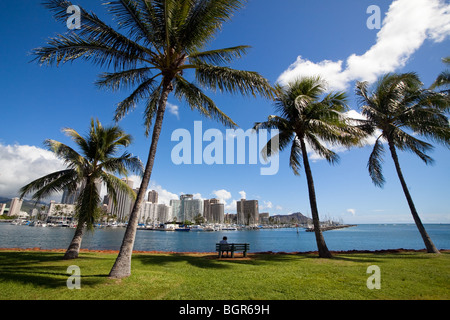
{"points": [[173, 109], [223, 195], [164, 196], [231, 207], [198, 196], [266, 205], [408, 23], [351, 211], [243, 194], [21, 164]]}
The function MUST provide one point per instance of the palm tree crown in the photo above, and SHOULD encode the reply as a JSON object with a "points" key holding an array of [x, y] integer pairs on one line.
{"points": [[401, 109], [163, 41], [307, 113]]}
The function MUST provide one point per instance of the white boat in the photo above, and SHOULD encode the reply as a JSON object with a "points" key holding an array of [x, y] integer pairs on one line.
{"points": [[229, 228], [17, 221], [197, 228], [38, 224]]}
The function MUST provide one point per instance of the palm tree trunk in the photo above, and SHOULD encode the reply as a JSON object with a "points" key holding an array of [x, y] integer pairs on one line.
{"points": [[321, 245], [74, 247], [122, 265], [426, 238]]}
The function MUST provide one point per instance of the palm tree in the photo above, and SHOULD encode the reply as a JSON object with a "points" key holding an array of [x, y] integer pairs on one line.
{"points": [[443, 80], [309, 116], [401, 110], [162, 52], [97, 162]]}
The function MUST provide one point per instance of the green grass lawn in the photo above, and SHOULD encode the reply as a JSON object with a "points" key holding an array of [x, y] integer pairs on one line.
{"points": [[26, 275]]}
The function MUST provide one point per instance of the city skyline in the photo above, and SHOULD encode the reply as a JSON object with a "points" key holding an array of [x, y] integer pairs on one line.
{"points": [[286, 41]]}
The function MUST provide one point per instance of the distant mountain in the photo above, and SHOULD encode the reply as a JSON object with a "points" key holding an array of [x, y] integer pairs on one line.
{"points": [[296, 217], [27, 205]]}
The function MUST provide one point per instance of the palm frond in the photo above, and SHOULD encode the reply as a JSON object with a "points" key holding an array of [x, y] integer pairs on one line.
{"points": [[130, 16], [88, 205], [62, 49], [233, 81], [276, 144], [196, 99], [145, 89], [406, 142], [71, 158], [296, 156], [374, 164], [151, 109], [114, 185], [274, 122], [219, 56], [123, 164], [205, 19], [51, 183], [123, 79], [320, 149]]}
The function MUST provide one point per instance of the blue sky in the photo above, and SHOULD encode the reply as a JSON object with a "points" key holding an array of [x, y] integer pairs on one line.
{"points": [[289, 38]]}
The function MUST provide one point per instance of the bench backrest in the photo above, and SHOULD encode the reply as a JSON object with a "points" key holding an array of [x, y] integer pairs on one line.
{"points": [[232, 246]]}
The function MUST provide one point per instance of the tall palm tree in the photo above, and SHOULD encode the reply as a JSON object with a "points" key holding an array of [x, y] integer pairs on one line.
{"points": [[402, 110], [161, 52], [96, 162], [309, 116]]}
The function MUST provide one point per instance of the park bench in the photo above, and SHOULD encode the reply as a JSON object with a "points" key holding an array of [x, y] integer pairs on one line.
{"points": [[232, 247]]}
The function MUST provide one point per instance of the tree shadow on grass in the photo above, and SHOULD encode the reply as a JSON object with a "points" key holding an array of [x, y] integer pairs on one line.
{"points": [[210, 261], [40, 270]]}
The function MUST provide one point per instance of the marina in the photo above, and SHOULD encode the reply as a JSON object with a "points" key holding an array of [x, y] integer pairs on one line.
{"points": [[361, 237]]}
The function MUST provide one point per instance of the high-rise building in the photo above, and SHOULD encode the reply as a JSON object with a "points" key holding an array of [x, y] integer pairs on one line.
{"points": [[154, 213], [148, 213], [247, 212], [217, 212], [60, 211], [69, 197], [164, 213], [124, 205], [191, 208], [187, 208], [14, 208], [153, 196], [207, 213], [176, 210], [2, 208]]}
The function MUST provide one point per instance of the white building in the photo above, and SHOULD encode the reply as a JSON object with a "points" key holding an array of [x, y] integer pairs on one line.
{"points": [[14, 208], [191, 209], [176, 209], [124, 204], [60, 211], [154, 213]]}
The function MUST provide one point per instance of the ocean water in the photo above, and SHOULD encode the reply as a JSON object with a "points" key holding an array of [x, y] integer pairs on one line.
{"points": [[361, 237]]}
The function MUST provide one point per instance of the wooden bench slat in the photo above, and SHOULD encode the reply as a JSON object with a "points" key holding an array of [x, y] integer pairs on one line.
{"points": [[221, 247]]}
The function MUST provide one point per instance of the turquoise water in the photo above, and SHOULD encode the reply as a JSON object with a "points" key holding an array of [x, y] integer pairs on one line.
{"points": [[361, 237]]}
